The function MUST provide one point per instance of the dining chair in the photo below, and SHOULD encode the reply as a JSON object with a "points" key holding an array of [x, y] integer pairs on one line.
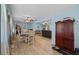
{"points": [[31, 37]]}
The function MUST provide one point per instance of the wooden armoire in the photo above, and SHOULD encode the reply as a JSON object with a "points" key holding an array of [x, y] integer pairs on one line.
{"points": [[65, 35]]}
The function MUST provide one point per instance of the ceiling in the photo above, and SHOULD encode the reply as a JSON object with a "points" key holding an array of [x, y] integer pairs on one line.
{"points": [[36, 10]]}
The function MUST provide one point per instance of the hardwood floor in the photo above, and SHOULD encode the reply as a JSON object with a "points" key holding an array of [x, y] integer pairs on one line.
{"points": [[39, 46]]}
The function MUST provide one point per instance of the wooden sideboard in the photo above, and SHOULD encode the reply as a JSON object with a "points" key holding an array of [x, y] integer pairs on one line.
{"points": [[46, 33]]}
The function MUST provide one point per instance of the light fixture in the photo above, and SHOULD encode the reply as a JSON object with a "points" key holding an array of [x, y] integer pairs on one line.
{"points": [[28, 20]]}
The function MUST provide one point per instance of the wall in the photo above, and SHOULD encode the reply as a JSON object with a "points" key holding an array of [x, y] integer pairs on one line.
{"points": [[67, 12], [23, 24], [0, 28], [30, 25], [33, 25], [39, 22], [37, 26]]}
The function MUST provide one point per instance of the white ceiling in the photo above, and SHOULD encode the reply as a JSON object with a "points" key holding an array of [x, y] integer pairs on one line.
{"points": [[36, 10]]}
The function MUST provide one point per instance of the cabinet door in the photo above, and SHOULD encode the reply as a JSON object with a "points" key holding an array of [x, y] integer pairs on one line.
{"points": [[68, 36], [59, 34]]}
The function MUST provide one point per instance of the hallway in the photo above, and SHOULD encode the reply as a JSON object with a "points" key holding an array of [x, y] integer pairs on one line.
{"points": [[41, 46]]}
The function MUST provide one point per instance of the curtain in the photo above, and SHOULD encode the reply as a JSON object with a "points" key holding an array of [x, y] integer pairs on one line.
{"points": [[4, 36]]}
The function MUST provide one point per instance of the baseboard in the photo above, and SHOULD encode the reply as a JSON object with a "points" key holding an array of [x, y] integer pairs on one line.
{"points": [[61, 51], [77, 51]]}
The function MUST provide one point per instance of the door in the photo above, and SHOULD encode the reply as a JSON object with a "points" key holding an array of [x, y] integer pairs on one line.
{"points": [[68, 36], [59, 34]]}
